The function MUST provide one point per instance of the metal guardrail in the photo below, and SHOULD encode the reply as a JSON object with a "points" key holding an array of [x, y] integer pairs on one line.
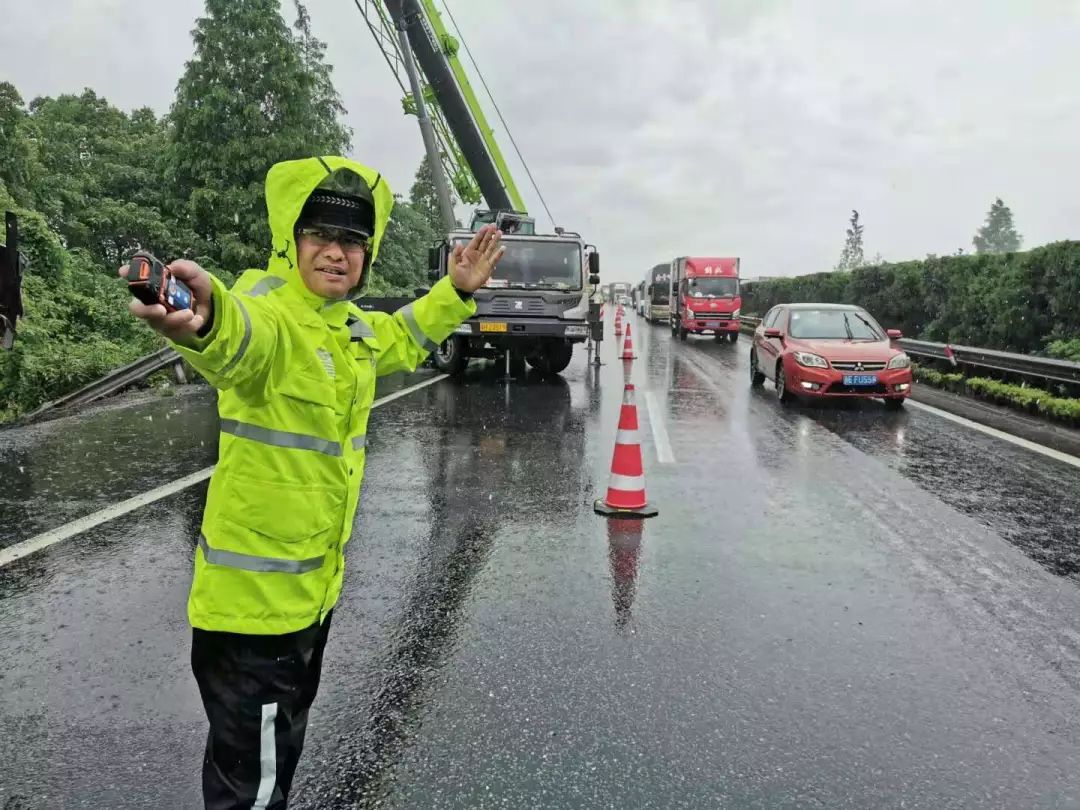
{"points": [[110, 383], [1025, 365]]}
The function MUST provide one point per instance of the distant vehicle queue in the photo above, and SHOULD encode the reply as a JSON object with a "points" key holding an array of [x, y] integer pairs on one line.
{"points": [[810, 351]]}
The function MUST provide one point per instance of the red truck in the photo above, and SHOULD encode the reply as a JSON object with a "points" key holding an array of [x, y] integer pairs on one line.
{"points": [[705, 297]]}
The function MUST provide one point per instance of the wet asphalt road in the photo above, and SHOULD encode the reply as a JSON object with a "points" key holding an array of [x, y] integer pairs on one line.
{"points": [[837, 607]]}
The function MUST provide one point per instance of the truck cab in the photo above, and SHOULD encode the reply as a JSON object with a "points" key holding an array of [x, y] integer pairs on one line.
{"points": [[704, 297], [535, 307]]}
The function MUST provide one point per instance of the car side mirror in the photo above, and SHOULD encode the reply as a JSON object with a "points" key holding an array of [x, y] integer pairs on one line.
{"points": [[894, 334], [433, 259], [773, 332], [594, 263]]}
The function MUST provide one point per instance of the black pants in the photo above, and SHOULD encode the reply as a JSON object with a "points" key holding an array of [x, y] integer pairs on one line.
{"points": [[256, 691]]}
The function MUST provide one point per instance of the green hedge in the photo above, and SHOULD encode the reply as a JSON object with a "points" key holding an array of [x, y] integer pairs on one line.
{"points": [[1023, 398], [1015, 302]]}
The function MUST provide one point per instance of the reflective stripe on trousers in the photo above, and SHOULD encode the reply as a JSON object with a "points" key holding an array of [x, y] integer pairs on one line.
{"points": [[267, 758]]}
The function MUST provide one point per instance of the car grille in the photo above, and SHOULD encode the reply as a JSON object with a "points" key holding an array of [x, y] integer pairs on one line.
{"points": [[852, 366], [529, 306]]}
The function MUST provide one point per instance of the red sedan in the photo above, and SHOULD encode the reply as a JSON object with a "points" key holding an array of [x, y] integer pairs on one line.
{"points": [[829, 350]]}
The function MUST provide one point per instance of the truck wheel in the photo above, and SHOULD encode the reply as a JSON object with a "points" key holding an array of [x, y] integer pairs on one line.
{"points": [[733, 337], [452, 356], [551, 358]]}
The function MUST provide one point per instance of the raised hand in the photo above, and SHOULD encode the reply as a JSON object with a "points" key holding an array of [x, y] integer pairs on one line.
{"points": [[471, 265]]}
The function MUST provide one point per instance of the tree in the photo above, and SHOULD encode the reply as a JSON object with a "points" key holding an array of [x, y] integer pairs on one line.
{"points": [[852, 255], [19, 167], [327, 128], [402, 263], [102, 188], [997, 235], [251, 95], [424, 198]]}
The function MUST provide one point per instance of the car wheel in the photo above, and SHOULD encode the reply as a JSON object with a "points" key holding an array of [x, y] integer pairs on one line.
{"points": [[756, 377], [894, 404], [782, 392]]}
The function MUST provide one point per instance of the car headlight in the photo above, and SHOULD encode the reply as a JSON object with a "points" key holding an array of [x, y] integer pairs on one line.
{"points": [[811, 360], [900, 361]]}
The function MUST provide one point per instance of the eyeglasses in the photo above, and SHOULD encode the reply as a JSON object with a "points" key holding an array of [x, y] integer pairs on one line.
{"points": [[347, 240]]}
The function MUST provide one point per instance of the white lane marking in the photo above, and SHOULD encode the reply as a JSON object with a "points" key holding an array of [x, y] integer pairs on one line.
{"points": [[1049, 452], [45, 539], [659, 430]]}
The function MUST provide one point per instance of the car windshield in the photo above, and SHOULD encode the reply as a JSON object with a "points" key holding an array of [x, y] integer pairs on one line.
{"points": [[715, 287], [535, 264], [833, 324]]}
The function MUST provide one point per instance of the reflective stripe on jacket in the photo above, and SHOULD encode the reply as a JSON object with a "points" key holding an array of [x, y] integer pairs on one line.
{"points": [[296, 375]]}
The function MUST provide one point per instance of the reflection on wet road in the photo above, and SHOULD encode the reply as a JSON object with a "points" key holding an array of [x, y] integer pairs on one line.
{"points": [[830, 611]]}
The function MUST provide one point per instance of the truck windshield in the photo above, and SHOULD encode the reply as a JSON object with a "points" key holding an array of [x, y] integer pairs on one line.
{"points": [[833, 324], [714, 287], [530, 264]]}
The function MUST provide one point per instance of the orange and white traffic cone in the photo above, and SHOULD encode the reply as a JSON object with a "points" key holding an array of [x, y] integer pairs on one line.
{"points": [[618, 322], [628, 347], [626, 489]]}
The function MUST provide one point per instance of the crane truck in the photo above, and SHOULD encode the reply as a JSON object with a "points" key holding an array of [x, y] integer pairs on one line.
{"points": [[537, 305]]}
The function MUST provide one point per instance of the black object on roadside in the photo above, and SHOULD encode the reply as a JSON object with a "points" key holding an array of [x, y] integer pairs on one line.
{"points": [[153, 283], [12, 264]]}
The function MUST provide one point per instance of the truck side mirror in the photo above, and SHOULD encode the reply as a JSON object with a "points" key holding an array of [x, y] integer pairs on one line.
{"points": [[433, 259], [594, 279], [594, 263], [433, 275]]}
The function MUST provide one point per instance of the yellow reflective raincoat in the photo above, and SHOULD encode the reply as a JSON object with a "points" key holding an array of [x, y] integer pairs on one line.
{"points": [[297, 379]]}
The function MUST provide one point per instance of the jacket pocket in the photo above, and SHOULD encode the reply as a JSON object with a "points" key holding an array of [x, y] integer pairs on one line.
{"points": [[286, 513], [308, 388]]}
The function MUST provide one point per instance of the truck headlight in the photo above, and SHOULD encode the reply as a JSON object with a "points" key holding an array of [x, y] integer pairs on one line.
{"points": [[900, 361], [736, 313], [690, 313], [810, 360]]}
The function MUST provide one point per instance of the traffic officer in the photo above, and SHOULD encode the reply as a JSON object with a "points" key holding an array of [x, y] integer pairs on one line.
{"points": [[295, 361]]}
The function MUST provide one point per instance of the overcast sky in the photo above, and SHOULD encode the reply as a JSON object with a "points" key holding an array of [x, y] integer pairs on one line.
{"points": [[660, 128]]}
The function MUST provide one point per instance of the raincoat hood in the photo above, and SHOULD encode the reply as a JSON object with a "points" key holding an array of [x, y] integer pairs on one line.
{"points": [[288, 185]]}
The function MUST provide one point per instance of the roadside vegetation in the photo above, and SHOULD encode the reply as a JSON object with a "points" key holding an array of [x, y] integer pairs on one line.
{"points": [[91, 183]]}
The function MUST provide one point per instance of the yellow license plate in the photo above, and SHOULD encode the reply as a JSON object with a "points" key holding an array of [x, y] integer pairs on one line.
{"points": [[492, 326]]}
